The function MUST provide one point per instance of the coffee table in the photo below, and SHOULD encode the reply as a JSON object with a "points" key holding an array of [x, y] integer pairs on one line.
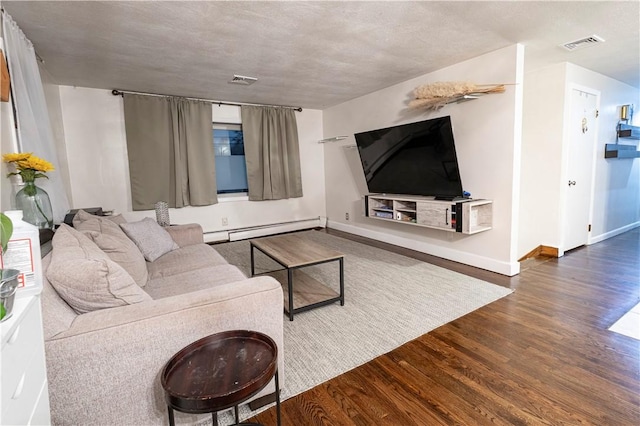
{"points": [[219, 372], [294, 252]]}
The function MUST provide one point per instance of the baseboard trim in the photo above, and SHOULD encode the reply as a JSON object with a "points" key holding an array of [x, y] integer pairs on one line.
{"points": [[215, 237], [277, 228], [547, 251], [610, 234], [504, 268], [544, 251], [263, 230]]}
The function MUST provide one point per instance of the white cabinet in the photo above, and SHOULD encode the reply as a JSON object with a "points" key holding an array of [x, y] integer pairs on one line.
{"points": [[465, 216], [24, 395]]}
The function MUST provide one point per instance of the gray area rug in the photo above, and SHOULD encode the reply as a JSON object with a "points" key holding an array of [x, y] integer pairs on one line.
{"points": [[389, 300]]}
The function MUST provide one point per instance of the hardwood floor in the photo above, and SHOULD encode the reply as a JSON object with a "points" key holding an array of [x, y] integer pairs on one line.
{"points": [[542, 355]]}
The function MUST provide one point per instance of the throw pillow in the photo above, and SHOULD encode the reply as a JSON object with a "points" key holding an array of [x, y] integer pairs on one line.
{"points": [[114, 242], [83, 216], [151, 239], [85, 277]]}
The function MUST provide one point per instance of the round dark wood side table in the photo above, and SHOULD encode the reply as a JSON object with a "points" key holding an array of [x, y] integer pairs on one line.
{"points": [[220, 371]]}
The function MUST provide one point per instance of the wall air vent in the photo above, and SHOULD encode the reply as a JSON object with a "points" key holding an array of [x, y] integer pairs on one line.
{"points": [[583, 42], [243, 80]]}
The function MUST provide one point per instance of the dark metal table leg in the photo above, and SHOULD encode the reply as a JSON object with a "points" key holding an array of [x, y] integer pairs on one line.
{"points": [[341, 281], [277, 399], [172, 421], [290, 285], [252, 260], [214, 418], [235, 412]]}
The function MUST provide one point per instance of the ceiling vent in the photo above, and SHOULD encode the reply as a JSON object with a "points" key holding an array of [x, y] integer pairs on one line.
{"points": [[243, 80], [582, 43]]}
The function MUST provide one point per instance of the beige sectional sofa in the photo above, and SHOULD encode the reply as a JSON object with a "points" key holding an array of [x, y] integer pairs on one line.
{"points": [[107, 340]]}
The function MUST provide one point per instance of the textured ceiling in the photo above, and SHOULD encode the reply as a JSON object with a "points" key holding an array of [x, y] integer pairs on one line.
{"points": [[311, 54]]}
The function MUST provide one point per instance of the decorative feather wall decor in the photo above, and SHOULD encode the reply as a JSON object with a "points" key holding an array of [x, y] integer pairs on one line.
{"points": [[436, 95]]}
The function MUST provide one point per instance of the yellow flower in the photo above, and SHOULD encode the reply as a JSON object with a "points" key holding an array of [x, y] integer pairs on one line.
{"points": [[28, 165], [30, 168], [35, 163], [14, 157]]}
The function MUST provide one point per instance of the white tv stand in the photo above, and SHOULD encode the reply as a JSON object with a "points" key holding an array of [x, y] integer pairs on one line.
{"points": [[467, 216]]}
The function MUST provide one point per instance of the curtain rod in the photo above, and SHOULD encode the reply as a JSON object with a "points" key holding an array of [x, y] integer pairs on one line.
{"points": [[116, 92]]}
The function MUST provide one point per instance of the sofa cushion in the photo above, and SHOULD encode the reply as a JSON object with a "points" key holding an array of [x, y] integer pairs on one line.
{"points": [[114, 242], [184, 259], [58, 315], [151, 239], [193, 280], [85, 277], [82, 216]]}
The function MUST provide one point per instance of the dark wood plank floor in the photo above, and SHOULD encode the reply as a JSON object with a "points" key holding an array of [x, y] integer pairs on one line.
{"points": [[542, 355]]}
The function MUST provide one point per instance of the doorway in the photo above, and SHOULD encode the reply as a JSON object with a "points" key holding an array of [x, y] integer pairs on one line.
{"points": [[582, 136]]}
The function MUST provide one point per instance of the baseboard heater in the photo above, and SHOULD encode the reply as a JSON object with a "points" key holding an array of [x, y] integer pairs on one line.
{"points": [[264, 230]]}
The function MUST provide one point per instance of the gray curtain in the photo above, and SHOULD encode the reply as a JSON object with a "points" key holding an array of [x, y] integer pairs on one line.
{"points": [[271, 152], [170, 147]]}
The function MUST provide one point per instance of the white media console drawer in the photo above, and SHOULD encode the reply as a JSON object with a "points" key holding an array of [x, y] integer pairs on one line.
{"points": [[24, 396]]}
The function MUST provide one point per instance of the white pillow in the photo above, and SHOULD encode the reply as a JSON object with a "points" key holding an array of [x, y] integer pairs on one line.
{"points": [[85, 277], [151, 239]]}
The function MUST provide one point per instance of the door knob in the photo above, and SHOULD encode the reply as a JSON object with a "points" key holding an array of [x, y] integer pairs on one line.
{"points": [[572, 182]]}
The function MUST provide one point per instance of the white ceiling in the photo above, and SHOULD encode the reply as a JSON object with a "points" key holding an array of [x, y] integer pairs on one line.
{"points": [[311, 54]]}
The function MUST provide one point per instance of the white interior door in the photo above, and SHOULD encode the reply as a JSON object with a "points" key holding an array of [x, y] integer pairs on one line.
{"points": [[582, 139]]}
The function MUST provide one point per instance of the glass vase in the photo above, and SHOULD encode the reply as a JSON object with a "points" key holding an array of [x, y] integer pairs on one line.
{"points": [[35, 205]]}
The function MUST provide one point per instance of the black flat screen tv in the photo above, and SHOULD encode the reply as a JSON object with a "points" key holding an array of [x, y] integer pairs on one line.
{"points": [[412, 159]]}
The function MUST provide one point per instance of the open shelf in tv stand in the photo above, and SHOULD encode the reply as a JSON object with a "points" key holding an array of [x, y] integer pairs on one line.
{"points": [[467, 216]]}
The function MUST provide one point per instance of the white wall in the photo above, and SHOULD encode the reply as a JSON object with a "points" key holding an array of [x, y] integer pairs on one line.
{"points": [[98, 167], [616, 197], [487, 133], [52, 99], [540, 217]]}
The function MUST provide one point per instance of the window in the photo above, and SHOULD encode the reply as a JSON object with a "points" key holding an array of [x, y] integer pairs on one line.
{"points": [[231, 168]]}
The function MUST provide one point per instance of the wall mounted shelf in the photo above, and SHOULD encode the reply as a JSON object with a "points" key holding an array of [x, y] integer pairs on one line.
{"points": [[618, 150], [333, 139], [628, 132], [615, 150]]}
